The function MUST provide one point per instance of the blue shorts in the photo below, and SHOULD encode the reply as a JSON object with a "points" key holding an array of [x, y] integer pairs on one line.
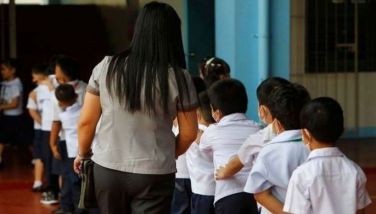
{"points": [[37, 144], [202, 204], [237, 203], [58, 165], [181, 200]]}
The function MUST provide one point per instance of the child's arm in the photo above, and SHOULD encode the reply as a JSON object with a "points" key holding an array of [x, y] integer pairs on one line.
{"points": [[267, 200], [230, 169], [11, 105], [362, 211], [34, 114]]}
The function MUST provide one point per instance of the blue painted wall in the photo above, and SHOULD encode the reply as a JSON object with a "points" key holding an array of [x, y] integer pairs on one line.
{"points": [[238, 41], [279, 16]]}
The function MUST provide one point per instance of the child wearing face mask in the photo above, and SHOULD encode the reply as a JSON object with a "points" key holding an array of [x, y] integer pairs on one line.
{"points": [[328, 182], [220, 141], [253, 144], [271, 172]]}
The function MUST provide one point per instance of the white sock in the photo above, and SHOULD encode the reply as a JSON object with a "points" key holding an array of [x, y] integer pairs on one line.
{"points": [[37, 184]]}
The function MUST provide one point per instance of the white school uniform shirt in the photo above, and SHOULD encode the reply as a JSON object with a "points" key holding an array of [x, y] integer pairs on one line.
{"points": [[275, 164], [80, 89], [181, 163], [220, 142], [200, 169], [327, 182], [43, 95], [251, 147], [69, 119], [34, 105], [10, 90]]}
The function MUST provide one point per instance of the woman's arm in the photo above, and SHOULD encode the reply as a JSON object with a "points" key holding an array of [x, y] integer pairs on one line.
{"points": [[187, 121], [90, 114]]}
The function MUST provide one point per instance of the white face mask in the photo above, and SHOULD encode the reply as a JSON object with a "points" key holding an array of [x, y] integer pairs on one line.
{"points": [[307, 146], [215, 115], [261, 119]]}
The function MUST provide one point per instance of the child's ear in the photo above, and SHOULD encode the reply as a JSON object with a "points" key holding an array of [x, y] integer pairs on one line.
{"points": [[306, 135], [267, 115]]}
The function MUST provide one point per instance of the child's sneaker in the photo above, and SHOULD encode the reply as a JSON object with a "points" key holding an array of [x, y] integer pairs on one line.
{"points": [[48, 198]]}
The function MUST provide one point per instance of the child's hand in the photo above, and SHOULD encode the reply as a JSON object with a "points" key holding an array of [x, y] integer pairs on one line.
{"points": [[77, 164], [220, 173], [56, 153]]}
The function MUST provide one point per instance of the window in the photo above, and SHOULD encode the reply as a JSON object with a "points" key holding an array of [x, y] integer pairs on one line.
{"points": [[340, 36]]}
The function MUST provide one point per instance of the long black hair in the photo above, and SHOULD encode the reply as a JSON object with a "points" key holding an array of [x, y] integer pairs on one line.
{"points": [[155, 48]]}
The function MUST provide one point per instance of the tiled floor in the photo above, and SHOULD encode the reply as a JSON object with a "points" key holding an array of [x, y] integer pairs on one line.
{"points": [[16, 178]]}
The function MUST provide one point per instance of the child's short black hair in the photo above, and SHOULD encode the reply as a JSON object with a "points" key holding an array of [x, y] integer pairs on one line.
{"points": [[323, 118], [68, 65], [41, 69], [229, 96], [267, 86], [286, 104], [11, 63], [204, 108], [65, 93], [302, 92]]}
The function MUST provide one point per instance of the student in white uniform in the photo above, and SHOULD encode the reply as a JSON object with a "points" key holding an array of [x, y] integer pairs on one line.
{"points": [[213, 69], [328, 182], [276, 161], [200, 169], [34, 105], [10, 105], [69, 116], [66, 72], [251, 147], [222, 140], [181, 200]]}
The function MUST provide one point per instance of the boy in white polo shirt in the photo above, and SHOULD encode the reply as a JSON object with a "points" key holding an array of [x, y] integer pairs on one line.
{"points": [[251, 147], [200, 169], [327, 182], [277, 159], [222, 140], [69, 116]]}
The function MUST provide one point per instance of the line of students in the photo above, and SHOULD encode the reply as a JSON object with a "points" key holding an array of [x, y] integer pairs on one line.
{"points": [[55, 106], [291, 165]]}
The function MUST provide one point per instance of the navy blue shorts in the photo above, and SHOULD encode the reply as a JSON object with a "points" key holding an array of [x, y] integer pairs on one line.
{"points": [[202, 204], [238, 203], [10, 132], [37, 144], [58, 165], [181, 200]]}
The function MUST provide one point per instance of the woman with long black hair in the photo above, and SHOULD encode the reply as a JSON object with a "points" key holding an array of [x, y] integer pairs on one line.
{"points": [[137, 94]]}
